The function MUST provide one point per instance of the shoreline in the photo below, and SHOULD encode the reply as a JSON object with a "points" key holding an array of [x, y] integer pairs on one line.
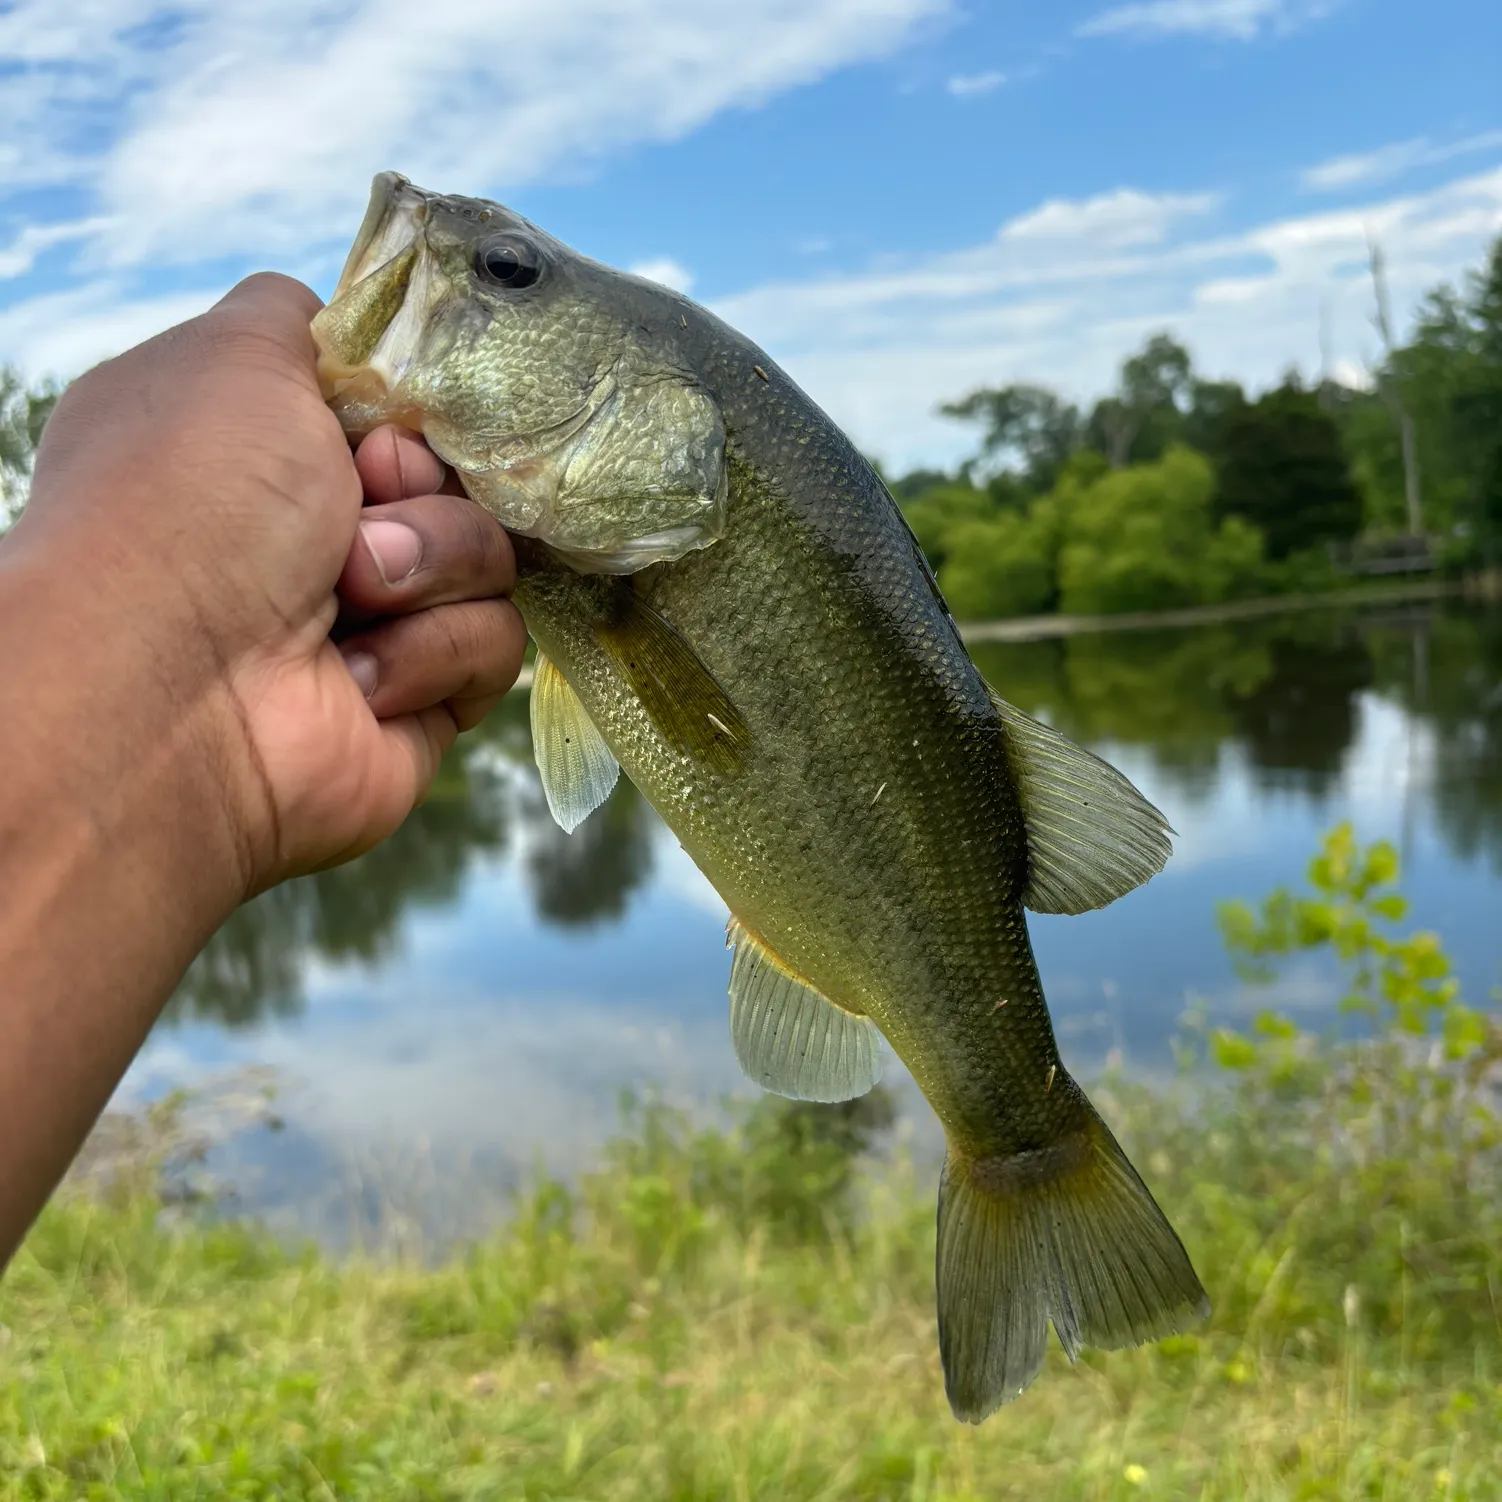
{"points": [[1042, 627], [1046, 627]]}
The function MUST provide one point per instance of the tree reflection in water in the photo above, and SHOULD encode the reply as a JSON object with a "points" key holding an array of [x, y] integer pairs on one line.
{"points": [[486, 795], [1285, 694]]}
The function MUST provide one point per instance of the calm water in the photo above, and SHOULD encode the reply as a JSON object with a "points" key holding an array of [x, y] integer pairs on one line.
{"points": [[465, 1004]]}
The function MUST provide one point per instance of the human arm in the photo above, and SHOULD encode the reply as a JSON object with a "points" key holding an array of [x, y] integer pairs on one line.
{"points": [[178, 730]]}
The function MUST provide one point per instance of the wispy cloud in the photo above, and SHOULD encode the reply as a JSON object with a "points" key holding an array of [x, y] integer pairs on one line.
{"points": [[968, 85], [66, 332], [1062, 293], [1240, 20], [17, 258], [1386, 162], [1109, 220], [250, 127]]}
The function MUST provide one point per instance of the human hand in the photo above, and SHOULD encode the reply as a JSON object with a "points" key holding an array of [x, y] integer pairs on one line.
{"points": [[206, 502]]}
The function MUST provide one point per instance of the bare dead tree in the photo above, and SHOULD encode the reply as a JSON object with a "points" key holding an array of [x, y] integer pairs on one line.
{"points": [[1388, 386]]}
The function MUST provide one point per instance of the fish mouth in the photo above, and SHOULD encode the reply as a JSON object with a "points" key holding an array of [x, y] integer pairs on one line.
{"points": [[370, 333], [392, 220]]}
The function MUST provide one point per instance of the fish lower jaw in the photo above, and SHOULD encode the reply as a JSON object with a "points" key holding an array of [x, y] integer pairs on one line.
{"points": [[360, 397]]}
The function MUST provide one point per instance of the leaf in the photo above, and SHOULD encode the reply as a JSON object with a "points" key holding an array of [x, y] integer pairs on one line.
{"points": [[1232, 1050]]}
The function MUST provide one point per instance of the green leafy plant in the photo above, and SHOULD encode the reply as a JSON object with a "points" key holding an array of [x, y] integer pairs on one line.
{"points": [[1403, 980]]}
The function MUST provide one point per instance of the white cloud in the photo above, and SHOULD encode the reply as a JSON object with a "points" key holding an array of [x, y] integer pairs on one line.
{"points": [[17, 258], [252, 127], [967, 85], [1240, 20], [1060, 295], [666, 270], [1107, 221], [63, 333], [1392, 161]]}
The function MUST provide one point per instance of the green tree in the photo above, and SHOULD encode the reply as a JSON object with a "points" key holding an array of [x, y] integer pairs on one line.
{"points": [[1146, 414], [24, 411], [997, 568], [1282, 468], [1028, 428], [936, 510], [1449, 379], [1145, 538], [1211, 406]]}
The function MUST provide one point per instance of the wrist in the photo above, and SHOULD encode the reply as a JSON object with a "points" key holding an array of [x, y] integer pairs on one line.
{"points": [[119, 724]]}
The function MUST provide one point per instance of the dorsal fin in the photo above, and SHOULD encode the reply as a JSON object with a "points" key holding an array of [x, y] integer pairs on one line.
{"points": [[578, 769], [790, 1038], [1091, 836]]}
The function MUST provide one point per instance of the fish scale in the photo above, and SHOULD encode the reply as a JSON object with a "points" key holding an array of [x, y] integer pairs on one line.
{"points": [[783, 682]]}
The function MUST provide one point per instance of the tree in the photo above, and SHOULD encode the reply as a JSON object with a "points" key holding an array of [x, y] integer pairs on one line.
{"points": [[1146, 414], [1283, 469], [1145, 538], [24, 411], [1449, 376], [939, 509], [1032, 427], [997, 568], [1211, 406]]}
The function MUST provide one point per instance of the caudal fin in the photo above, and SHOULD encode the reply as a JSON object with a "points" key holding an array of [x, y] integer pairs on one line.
{"points": [[1066, 1233]]}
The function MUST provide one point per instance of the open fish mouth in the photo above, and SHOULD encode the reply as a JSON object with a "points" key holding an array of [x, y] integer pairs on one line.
{"points": [[370, 333], [392, 220]]}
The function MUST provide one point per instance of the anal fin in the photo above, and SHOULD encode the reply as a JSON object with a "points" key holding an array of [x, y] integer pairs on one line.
{"points": [[788, 1037], [578, 769]]}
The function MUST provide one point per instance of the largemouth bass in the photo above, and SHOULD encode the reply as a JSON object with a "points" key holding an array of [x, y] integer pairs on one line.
{"points": [[728, 604]]}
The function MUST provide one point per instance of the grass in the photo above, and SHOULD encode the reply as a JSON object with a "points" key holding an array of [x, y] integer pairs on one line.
{"points": [[747, 1312]]}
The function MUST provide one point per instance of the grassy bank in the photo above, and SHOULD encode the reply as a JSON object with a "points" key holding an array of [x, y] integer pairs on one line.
{"points": [[748, 1312]]}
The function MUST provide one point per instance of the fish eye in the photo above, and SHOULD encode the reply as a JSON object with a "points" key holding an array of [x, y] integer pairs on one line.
{"points": [[509, 262]]}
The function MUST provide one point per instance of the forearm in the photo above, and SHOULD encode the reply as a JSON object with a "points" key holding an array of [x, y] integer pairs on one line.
{"points": [[117, 861]]}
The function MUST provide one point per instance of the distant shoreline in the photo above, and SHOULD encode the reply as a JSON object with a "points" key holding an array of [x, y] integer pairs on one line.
{"points": [[1045, 627], [1041, 627]]}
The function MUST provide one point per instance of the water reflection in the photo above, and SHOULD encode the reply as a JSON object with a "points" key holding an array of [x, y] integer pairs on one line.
{"points": [[1286, 695], [486, 795]]}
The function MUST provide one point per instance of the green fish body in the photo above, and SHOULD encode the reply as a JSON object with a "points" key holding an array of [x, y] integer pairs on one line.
{"points": [[774, 668]]}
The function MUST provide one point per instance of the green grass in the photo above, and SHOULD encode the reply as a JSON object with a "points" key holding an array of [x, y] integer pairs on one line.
{"points": [[747, 1312], [677, 1331]]}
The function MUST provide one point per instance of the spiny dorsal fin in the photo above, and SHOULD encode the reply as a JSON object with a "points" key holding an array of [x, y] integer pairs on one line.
{"points": [[1092, 837], [578, 769], [788, 1037], [692, 712]]}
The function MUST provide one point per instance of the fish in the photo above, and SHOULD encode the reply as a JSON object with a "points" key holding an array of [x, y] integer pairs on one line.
{"points": [[728, 604]]}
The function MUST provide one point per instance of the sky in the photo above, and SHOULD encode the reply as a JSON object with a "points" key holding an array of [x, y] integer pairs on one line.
{"points": [[899, 199]]}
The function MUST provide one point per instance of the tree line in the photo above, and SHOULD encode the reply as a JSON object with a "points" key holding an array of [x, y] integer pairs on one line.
{"points": [[1178, 490], [1175, 489]]}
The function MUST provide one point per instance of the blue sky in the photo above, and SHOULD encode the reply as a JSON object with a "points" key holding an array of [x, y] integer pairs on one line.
{"points": [[899, 198]]}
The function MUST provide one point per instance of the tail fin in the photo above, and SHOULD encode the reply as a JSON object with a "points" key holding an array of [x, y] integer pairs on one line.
{"points": [[1067, 1232]]}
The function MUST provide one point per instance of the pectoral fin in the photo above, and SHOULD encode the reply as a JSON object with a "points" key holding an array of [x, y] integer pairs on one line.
{"points": [[692, 712], [578, 769], [790, 1039], [1092, 837]]}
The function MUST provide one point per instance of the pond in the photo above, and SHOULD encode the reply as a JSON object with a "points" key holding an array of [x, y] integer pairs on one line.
{"points": [[463, 1007]]}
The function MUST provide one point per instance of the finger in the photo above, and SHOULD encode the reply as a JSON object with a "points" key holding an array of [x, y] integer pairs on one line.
{"points": [[416, 744], [395, 465], [431, 550], [462, 656], [270, 294], [425, 736], [273, 309]]}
